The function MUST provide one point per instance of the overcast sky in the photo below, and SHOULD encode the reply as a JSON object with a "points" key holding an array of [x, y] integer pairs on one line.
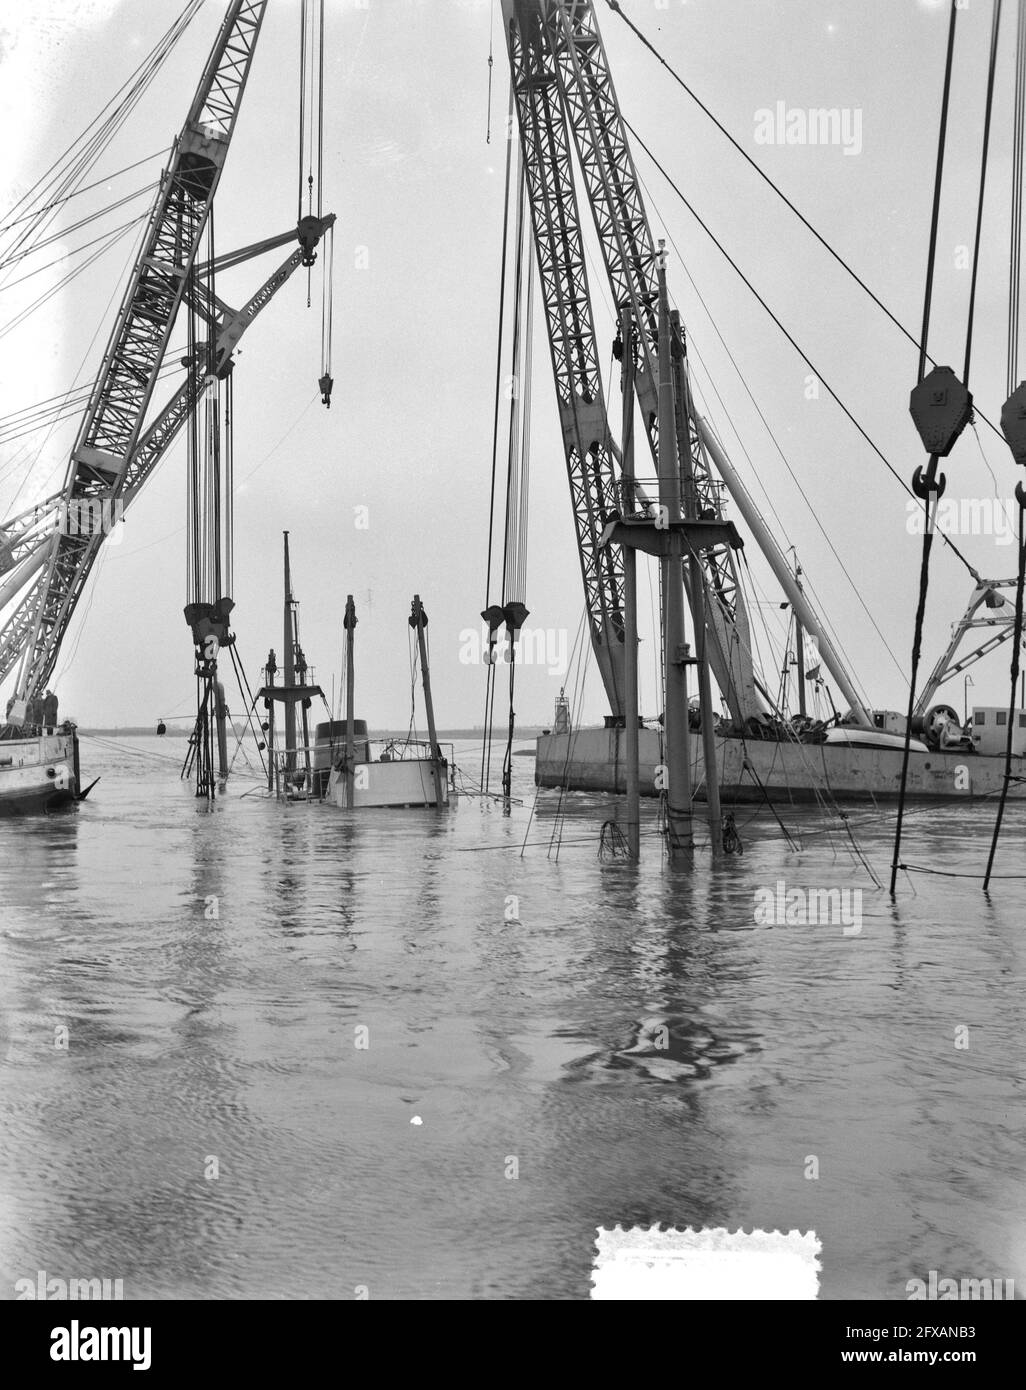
{"points": [[414, 182]]}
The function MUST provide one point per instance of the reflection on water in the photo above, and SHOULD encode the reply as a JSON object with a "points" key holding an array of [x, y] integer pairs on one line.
{"points": [[272, 995]]}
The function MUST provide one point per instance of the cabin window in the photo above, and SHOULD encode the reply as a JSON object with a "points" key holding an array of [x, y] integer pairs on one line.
{"points": [[1022, 721], [1002, 716], [979, 717]]}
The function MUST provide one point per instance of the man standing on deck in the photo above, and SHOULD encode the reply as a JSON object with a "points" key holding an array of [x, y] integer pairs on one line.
{"points": [[50, 712]]}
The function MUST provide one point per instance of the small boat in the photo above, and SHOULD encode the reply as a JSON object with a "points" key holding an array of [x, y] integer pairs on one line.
{"points": [[396, 772], [344, 766], [400, 772], [855, 736], [39, 772]]}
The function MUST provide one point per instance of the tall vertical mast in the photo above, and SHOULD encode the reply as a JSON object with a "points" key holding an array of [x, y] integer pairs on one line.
{"points": [[675, 703], [349, 624], [693, 568], [630, 598], [799, 644], [289, 659], [418, 620]]}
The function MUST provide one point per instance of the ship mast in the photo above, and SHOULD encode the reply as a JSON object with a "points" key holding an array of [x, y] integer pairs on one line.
{"points": [[289, 657]]}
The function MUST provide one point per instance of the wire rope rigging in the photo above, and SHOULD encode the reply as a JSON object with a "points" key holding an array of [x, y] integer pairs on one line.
{"points": [[941, 405]]}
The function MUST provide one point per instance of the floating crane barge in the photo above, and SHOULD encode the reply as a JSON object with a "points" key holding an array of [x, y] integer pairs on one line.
{"points": [[566, 106]]}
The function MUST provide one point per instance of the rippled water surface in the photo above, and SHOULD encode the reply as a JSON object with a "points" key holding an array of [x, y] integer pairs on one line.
{"points": [[193, 1038]]}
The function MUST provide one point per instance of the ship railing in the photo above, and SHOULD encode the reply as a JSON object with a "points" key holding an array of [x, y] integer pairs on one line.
{"points": [[630, 493]]}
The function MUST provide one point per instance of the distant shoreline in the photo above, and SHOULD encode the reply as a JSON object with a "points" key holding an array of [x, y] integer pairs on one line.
{"points": [[183, 731]]}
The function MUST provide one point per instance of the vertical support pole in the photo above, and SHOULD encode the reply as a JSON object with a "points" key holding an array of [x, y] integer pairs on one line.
{"points": [[675, 700], [349, 623], [418, 620], [271, 751], [221, 715], [630, 598], [799, 643], [301, 669], [269, 673], [289, 657], [306, 749], [685, 412]]}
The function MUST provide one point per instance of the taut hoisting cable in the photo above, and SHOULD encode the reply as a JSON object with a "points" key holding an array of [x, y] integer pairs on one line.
{"points": [[311, 114], [327, 381], [110, 236], [491, 64], [1012, 415], [229, 484], [302, 106], [939, 425], [210, 543], [830, 390], [937, 182], [83, 222], [62, 178], [108, 242], [615, 6], [311, 159], [86, 188], [486, 757], [320, 110], [994, 27], [514, 558], [1015, 247], [1020, 497], [927, 488]]}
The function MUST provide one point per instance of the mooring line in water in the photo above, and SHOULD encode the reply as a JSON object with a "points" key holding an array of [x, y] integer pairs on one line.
{"points": [[146, 753], [587, 841], [950, 873]]}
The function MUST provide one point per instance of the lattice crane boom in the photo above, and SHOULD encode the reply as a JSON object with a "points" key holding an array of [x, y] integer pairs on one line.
{"points": [[104, 451], [564, 91], [559, 244]]}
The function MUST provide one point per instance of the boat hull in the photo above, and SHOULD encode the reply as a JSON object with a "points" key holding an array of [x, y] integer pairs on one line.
{"points": [[402, 782], [37, 774], [595, 760]]}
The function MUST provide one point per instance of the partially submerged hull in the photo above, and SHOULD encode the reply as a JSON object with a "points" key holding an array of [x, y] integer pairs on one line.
{"points": [[37, 774], [751, 769], [402, 782]]}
